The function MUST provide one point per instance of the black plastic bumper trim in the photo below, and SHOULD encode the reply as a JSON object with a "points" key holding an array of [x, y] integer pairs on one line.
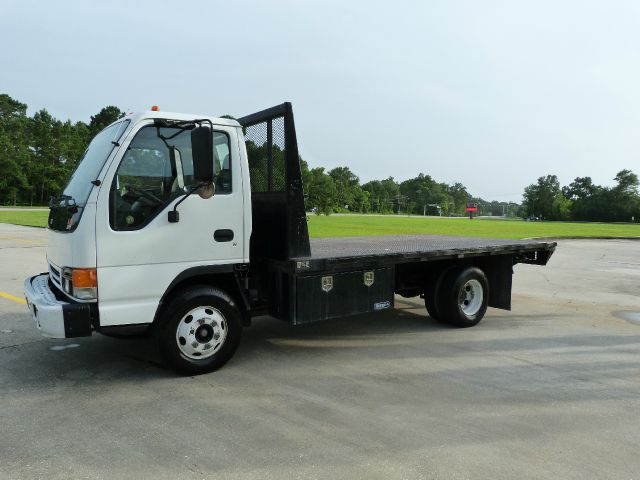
{"points": [[77, 319]]}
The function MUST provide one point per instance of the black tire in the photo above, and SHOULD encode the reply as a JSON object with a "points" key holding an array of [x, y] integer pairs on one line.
{"points": [[430, 299], [173, 317], [432, 295], [462, 285]]}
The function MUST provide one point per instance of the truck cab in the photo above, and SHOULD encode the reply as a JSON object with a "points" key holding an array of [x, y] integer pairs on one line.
{"points": [[113, 250]]}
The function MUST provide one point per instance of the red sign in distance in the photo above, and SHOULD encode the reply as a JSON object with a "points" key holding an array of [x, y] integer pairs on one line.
{"points": [[472, 209]]}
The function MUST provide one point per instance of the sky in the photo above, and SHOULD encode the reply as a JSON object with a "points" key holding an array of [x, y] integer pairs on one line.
{"points": [[492, 94]]}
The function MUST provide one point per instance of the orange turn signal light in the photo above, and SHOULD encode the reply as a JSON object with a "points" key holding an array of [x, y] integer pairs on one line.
{"points": [[84, 278], [155, 108]]}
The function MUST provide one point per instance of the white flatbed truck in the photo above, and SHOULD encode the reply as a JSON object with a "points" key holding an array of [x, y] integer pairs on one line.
{"points": [[187, 226]]}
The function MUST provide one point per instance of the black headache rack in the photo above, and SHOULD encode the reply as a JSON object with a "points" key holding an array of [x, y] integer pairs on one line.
{"points": [[277, 199]]}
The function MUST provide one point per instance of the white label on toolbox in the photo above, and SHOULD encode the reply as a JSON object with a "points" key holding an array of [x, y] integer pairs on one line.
{"points": [[327, 284], [368, 278], [381, 305]]}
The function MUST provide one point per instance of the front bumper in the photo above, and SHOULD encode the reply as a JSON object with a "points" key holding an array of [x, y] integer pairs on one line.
{"points": [[57, 318]]}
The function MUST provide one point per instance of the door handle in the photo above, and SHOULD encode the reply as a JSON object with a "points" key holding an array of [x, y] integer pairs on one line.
{"points": [[224, 235]]}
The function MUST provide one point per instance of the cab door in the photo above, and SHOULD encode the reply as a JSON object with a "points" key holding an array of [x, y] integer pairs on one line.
{"points": [[139, 252]]}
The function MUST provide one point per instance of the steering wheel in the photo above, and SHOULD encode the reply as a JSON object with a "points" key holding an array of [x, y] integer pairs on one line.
{"points": [[145, 194]]}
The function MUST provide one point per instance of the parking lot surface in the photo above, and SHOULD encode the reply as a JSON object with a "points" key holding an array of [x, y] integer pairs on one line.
{"points": [[548, 390]]}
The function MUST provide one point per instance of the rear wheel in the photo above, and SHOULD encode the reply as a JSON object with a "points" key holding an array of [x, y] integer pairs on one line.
{"points": [[199, 330], [463, 297], [430, 299]]}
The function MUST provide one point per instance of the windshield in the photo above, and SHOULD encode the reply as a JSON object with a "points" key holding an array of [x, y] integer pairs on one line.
{"points": [[79, 186]]}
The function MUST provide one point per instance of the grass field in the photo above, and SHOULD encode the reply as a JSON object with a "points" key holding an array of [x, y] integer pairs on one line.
{"points": [[356, 225], [26, 217], [35, 207]]}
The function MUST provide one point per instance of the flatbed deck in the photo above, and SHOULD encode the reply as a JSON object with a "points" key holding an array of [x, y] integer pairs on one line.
{"points": [[301, 280], [391, 249]]}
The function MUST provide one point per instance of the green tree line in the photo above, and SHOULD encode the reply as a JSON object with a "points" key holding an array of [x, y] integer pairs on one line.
{"points": [[582, 200], [340, 190], [39, 153]]}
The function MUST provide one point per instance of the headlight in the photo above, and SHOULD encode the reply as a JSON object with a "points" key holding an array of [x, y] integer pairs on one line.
{"points": [[81, 283]]}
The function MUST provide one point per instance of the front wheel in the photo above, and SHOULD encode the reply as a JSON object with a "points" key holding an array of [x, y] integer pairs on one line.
{"points": [[463, 297], [199, 331]]}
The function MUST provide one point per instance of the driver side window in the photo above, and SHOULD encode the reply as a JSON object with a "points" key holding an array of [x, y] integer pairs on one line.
{"points": [[156, 168]]}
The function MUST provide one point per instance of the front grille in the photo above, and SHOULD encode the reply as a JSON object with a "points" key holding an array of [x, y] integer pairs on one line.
{"points": [[55, 275]]}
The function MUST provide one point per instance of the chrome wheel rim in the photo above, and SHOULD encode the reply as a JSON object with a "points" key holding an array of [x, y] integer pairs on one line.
{"points": [[201, 333], [471, 297]]}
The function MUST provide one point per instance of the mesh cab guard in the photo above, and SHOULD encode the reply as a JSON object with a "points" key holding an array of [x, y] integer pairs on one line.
{"points": [[277, 198]]}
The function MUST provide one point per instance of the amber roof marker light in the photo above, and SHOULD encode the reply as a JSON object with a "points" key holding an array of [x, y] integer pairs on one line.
{"points": [[155, 108]]}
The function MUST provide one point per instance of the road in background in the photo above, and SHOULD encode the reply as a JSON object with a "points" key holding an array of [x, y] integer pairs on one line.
{"points": [[549, 390]]}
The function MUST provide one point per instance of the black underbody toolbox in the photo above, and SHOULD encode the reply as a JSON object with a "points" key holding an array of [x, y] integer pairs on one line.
{"points": [[308, 298], [321, 297]]}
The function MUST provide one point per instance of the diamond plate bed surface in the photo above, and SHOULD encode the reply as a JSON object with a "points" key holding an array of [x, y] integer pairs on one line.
{"points": [[345, 247]]}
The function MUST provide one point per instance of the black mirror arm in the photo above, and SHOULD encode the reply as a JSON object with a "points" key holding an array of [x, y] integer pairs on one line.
{"points": [[174, 215]]}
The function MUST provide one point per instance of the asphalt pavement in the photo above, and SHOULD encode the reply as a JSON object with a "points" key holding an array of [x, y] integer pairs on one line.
{"points": [[548, 390]]}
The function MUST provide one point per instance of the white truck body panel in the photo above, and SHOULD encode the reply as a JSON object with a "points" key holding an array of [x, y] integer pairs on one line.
{"points": [[77, 248]]}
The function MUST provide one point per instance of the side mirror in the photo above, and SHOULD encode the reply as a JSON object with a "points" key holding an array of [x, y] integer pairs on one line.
{"points": [[202, 153]]}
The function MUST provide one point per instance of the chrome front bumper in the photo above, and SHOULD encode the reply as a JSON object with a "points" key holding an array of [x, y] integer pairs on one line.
{"points": [[55, 318]]}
